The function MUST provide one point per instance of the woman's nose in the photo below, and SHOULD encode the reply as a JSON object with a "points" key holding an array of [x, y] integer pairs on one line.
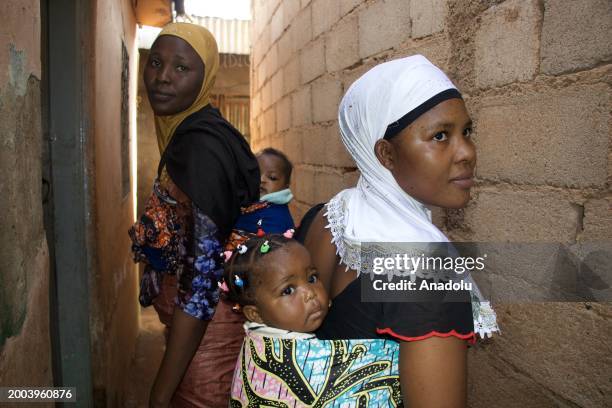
{"points": [[465, 151], [163, 74]]}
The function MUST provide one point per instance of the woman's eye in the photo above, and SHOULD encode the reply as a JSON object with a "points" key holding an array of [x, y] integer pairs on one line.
{"points": [[181, 68], [155, 63], [440, 137], [468, 132], [313, 278], [288, 291]]}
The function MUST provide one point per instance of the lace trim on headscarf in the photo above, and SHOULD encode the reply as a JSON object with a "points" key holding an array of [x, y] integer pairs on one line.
{"points": [[349, 253]]}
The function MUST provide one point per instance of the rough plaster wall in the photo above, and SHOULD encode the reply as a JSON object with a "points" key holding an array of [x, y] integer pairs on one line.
{"points": [[114, 321], [536, 76], [25, 355]]}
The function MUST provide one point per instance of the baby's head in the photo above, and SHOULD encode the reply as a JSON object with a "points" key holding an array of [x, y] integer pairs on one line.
{"points": [[275, 169], [276, 284]]}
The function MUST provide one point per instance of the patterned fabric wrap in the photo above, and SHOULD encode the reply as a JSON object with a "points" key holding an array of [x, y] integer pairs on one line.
{"points": [[198, 291], [282, 372], [170, 244], [158, 241]]}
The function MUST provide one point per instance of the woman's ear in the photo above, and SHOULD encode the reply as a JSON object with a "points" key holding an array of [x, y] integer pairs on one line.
{"points": [[252, 314], [384, 151]]}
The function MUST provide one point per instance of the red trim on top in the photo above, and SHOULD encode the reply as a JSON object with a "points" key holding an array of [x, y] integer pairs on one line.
{"points": [[471, 336]]}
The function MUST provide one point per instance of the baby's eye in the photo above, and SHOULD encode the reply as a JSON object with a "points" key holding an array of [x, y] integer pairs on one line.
{"points": [[314, 278], [467, 133], [289, 290], [440, 137], [273, 178]]}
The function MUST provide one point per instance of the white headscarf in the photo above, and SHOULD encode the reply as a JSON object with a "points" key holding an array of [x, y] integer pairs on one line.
{"points": [[377, 209]]}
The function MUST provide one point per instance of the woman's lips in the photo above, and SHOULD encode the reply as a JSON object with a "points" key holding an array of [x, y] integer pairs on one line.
{"points": [[161, 97], [464, 183]]}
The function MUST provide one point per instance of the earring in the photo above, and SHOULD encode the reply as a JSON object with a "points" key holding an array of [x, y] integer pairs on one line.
{"points": [[329, 304]]}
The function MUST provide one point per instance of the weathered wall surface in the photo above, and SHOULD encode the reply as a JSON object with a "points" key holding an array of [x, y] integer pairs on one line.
{"points": [[536, 75], [114, 306], [25, 355]]}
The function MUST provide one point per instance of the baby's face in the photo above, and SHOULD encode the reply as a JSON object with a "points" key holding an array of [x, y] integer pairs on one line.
{"points": [[272, 175], [289, 294]]}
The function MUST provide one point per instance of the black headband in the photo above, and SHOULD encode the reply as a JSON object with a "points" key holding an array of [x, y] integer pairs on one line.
{"points": [[403, 122]]}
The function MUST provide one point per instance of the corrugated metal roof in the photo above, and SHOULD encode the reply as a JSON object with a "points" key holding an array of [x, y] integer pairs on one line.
{"points": [[233, 36]]}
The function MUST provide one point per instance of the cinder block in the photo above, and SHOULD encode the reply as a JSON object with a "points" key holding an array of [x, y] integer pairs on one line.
{"points": [[302, 28], [292, 145], [435, 49], [271, 61], [301, 111], [276, 24], [304, 179], [348, 77], [298, 209], [304, 3], [264, 42], [312, 60], [327, 185], [350, 179], [597, 222], [574, 370], [290, 10], [558, 137], [506, 44], [324, 14], [341, 45], [283, 114], [266, 95], [336, 154], [291, 75], [501, 215], [261, 74], [427, 17], [286, 47], [258, 19], [346, 6], [256, 105], [268, 123], [314, 145], [383, 25], [575, 35], [277, 86], [326, 93]]}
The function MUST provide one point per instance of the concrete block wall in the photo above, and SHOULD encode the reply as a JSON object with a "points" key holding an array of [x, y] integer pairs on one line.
{"points": [[25, 351], [536, 76]]}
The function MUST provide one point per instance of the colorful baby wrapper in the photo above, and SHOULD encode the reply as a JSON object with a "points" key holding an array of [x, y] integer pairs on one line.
{"points": [[280, 372]]}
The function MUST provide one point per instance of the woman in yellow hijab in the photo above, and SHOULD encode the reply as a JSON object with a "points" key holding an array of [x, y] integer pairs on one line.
{"points": [[206, 173]]}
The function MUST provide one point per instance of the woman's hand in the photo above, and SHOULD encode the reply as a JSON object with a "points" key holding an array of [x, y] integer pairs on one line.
{"points": [[185, 336], [433, 372]]}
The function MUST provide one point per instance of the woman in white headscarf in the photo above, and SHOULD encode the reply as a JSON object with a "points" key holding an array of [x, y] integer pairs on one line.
{"points": [[407, 128]]}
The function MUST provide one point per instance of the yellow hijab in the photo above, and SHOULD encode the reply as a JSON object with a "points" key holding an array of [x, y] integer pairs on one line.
{"points": [[204, 44]]}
